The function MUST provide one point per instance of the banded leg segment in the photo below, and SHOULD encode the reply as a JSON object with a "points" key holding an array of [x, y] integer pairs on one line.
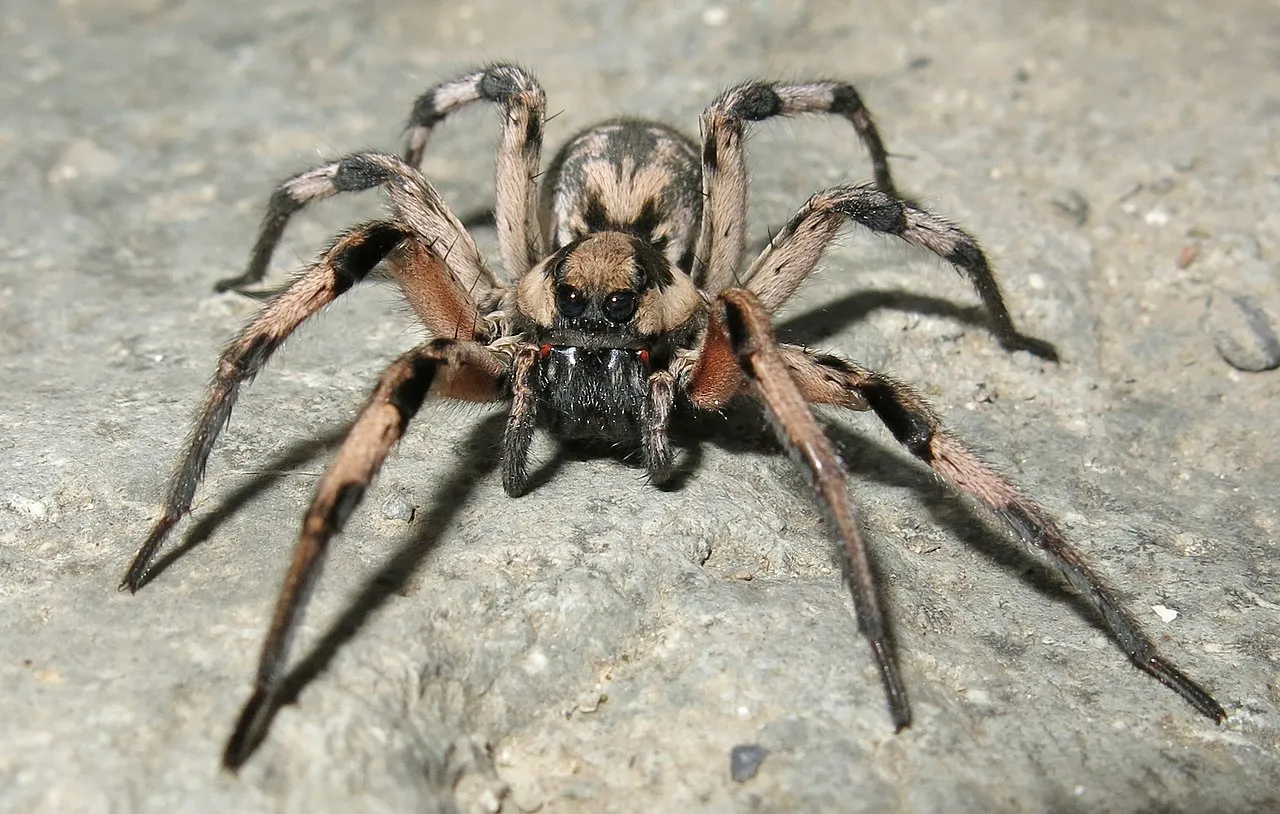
{"points": [[521, 421], [724, 172], [659, 458], [751, 337], [794, 252], [914, 423], [524, 109], [396, 399], [348, 260], [416, 202], [313, 185]]}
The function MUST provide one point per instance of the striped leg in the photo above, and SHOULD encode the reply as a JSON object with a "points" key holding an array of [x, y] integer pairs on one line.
{"points": [[749, 335], [724, 172], [361, 171], [347, 262], [524, 108], [794, 252], [416, 203], [397, 398], [830, 380]]}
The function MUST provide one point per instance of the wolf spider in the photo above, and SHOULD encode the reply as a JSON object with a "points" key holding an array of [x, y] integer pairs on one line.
{"points": [[625, 302]]}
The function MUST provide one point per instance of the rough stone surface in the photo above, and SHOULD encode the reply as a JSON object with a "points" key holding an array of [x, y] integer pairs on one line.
{"points": [[600, 645]]}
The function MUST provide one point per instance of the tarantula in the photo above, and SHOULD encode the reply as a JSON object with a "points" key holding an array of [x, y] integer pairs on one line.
{"points": [[626, 301]]}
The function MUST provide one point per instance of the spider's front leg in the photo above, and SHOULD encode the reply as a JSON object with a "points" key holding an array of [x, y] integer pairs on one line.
{"points": [[523, 104], [524, 109], [794, 252], [830, 380], [434, 282], [411, 194], [348, 260], [443, 366], [659, 459], [739, 345], [724, 168]]}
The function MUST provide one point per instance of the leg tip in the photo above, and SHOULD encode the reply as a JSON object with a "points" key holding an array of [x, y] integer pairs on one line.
{"points": [[1036, 347], [251, 730]]}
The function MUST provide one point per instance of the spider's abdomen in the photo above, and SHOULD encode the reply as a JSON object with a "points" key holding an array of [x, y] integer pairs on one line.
{"points": [[596, 393], [627, 175]]}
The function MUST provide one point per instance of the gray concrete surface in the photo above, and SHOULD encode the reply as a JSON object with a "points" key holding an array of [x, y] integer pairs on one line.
{"points": [[599, 645]]}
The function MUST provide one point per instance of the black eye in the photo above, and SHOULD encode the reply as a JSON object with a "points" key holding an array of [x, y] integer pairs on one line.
{"points": [[619, 306], [570, 301]]}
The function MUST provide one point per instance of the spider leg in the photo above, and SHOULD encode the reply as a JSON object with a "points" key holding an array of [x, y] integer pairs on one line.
{"points": [[794, 252], [829, 380], [747, 332], [658, 456], [399, 394], [521, 421], [429, 285], [524, 108], [348, 260], [724, 171], [416, 201]]}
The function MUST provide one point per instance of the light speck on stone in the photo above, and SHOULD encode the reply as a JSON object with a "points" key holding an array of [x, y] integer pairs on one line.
{"points": [[84, 160], [32, 509], [397, 508], [715, 16]]}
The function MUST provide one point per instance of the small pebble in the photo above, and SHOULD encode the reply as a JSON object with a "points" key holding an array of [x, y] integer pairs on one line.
{"points": [[1187, 256], [1071, 204], [1184, 161], [1243, 333], [397, 508], [745, 760]]}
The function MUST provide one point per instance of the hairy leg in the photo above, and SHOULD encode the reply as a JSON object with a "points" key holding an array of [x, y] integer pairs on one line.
{"points": [[524, 109], [749, 335], [724, 172], [658, 456], [794, 252], [347, 261], [418, 205], [520, 421], [396, 399], [831, 380]]}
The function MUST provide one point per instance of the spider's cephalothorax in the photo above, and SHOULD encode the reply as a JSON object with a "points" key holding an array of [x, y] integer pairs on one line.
{"points": [[605, 311], [625, 300]]}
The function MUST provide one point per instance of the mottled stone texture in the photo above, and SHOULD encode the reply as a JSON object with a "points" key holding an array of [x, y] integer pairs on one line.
{"points": [[599, 645]]}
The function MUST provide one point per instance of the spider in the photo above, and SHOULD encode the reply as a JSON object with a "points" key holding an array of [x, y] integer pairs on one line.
{"points": [[627, 300]]}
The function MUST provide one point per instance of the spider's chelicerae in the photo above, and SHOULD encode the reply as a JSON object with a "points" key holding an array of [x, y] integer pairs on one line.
{"points": [[625, 301]]}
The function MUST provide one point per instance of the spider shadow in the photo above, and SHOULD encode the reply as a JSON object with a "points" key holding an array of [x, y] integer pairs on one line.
{"points": [[295, 456], [742, 428], [391, 579], [830, 318]]}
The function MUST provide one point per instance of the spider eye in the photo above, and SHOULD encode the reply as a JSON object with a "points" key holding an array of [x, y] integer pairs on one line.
{"points": [[619, 306], [570, 301]]}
